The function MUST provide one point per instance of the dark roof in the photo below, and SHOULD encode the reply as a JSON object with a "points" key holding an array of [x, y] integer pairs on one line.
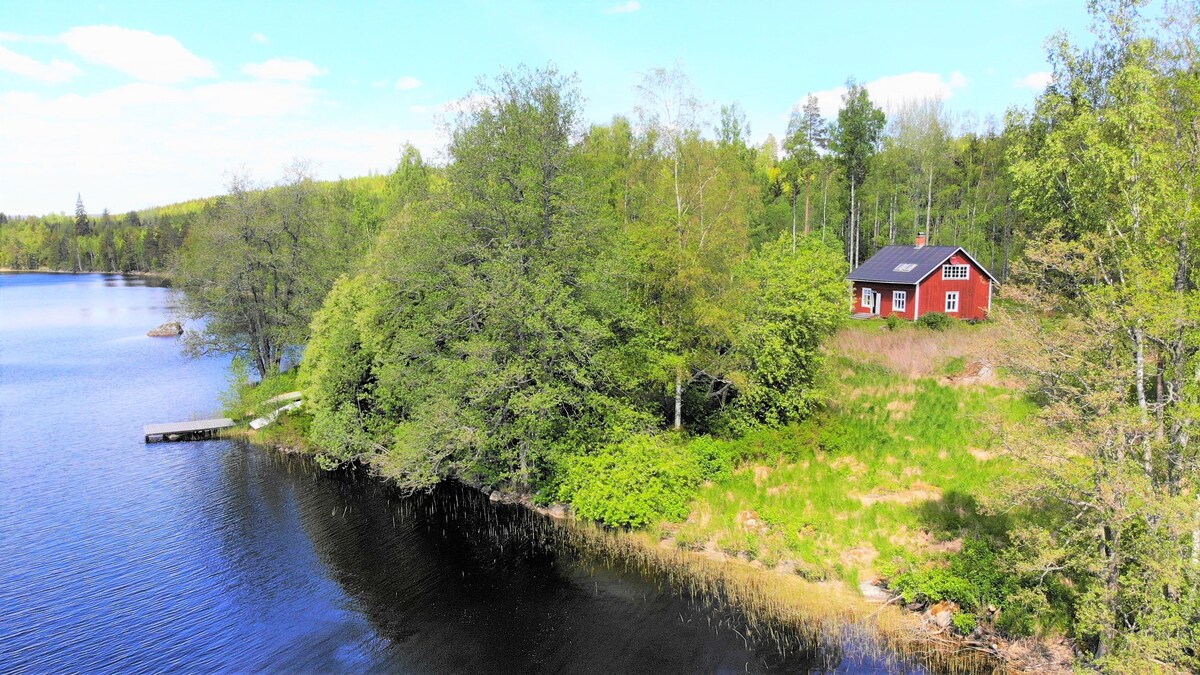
{"points": [[907, 264]]}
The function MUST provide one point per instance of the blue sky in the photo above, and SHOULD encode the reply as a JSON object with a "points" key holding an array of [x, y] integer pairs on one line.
{"points": [[135, 104]]}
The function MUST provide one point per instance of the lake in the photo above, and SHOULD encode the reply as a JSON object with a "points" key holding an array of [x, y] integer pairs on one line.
{"points": [[217, 556]]}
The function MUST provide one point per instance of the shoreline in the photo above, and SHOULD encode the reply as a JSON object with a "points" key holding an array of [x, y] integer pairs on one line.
{"points": [[775, 605], [152, 273]]}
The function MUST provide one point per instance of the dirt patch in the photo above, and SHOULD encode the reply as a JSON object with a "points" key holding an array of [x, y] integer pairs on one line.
{"points": [[981, 454], [859, 556], [976, 372], [920, 492], [922, 541], [752, 522], [777, 490], [761, 474], [900, 409], [851, 464]]}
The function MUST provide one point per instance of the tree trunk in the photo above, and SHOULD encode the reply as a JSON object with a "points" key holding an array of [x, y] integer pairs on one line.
{"points": [[678, 400], [929, 204], [853, 252], [807, 191]]}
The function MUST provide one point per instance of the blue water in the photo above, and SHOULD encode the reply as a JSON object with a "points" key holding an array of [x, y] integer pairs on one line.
{"points": [[216, 556]]}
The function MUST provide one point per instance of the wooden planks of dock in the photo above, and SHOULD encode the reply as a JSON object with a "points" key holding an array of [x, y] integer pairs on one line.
{"points": [[196, 430]]}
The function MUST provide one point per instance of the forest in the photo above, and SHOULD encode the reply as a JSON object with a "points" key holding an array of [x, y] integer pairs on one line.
{"points": [[615, 315]]}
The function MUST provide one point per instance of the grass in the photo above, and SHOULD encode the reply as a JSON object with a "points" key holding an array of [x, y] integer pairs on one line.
{"points": [[891, 471]]}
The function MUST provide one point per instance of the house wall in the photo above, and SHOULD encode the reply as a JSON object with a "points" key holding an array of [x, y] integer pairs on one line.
{"points": [[973, 292], [885, 306]]}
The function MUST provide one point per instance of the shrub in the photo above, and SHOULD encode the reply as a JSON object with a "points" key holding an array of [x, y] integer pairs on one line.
{"points": [[964, 622], [935, 321], [635, 482], [893, 322]]}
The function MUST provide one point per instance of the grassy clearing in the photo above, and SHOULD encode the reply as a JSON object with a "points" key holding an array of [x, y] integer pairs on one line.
{"points": [[891, 472]]}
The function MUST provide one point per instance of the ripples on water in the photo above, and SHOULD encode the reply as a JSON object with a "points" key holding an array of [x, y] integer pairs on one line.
{"points": [[116, 556]]}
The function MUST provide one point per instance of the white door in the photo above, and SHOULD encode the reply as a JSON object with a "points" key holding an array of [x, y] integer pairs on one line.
{"points": [[870, 301]]}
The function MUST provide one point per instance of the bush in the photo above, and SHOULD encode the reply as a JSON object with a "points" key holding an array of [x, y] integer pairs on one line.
{"points": [[641, 480], [935, 321], [893, 322], [964, 622]]}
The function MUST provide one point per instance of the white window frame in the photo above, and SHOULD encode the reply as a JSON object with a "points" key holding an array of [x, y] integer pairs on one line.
{"points": [[952, 295], [952, 272], [867, 293], [899, 301]]}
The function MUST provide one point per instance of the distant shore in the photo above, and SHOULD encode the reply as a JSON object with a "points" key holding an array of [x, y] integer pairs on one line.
{"points": [[46, 270]]}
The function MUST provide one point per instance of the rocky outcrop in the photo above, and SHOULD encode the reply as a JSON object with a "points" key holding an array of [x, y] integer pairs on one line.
{"points": [[168, 329]]}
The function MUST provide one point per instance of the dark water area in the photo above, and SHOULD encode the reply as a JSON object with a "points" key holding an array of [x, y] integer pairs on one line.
{"points": [[217, 556]]}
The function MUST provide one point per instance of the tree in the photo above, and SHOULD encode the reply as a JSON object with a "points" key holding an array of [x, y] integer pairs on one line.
{"points": [[1106, 173], [489, 321], [83, 226], [798, 298], [807, 136], [693, 233], [256, 267], [855, 139]]}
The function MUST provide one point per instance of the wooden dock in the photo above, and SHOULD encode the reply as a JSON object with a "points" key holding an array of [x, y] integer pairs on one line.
{"points": [[196, 430]]}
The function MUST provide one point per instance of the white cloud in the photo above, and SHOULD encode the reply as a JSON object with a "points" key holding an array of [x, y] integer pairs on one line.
{"points": [[890, 93], [137, 53], [408, 83], [259, 38], [146, 144], [19, 64], [1036, 81], [291, 70], [624, 8]]}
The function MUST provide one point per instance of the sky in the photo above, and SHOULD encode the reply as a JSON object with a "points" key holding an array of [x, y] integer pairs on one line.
{"points": [[138, 104]]}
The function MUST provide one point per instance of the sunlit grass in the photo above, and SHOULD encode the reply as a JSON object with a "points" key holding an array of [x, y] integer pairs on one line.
{"points": [[892, 470]]}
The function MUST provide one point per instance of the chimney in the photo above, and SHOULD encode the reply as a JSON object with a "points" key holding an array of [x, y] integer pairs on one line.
{"points": [[920, 240]]}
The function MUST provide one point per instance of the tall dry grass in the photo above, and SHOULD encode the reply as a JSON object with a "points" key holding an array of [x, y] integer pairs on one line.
{"points": [[780, 611], [915, 351]]}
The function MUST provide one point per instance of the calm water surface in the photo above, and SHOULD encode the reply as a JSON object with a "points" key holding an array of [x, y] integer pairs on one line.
{"points": [[117, 556]]}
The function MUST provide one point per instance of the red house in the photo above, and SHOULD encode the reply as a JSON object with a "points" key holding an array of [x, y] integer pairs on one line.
{"points": [[909, 281]]}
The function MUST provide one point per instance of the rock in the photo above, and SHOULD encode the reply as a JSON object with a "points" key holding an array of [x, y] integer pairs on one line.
{"points": [[556, 511], [873, 592], [168, 329], [495, 496], [941, 613]]}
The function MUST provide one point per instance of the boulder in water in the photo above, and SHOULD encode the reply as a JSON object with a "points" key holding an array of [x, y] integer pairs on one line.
{"points": [[168, 329]]}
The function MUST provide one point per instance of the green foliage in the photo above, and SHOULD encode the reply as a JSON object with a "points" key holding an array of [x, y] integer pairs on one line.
{"points": [[964, 622], [893, 322], [246, 398], [644, 479], [800, 297], [935, 321], [955, 366], [256, 267], [975, 577]]}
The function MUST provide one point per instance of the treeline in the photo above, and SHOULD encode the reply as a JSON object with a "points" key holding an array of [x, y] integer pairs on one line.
{"points": [[149, 240], [130, 242]]}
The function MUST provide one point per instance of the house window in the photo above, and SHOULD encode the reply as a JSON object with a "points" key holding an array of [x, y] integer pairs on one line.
{"points": [[951, 302], [899, 301], [956, 272]]}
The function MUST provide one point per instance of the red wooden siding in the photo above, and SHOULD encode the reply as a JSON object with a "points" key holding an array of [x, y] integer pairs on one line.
{"points": [[885, 305], [973, 292]]}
